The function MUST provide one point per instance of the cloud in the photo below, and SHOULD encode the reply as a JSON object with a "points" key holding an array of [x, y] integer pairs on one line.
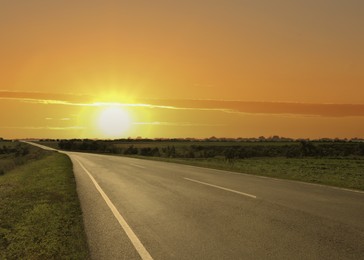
{"points": [[225, 106], [175, 124], [68, 100], [60, 119], [43, 127], [277, 108], [42, 96]]}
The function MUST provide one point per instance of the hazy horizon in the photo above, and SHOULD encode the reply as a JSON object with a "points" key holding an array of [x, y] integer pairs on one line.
{"points": [[112, 69]]}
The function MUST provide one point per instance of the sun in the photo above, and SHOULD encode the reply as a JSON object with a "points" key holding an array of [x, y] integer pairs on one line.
{"points": [[114, 121]]}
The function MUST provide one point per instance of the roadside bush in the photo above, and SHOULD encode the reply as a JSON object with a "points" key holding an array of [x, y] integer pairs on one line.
{"points": [[131, 150], [19, 154]]}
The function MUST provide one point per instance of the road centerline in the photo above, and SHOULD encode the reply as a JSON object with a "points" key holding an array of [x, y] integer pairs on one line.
{"points": [[136, 165], [142, 251], [222, 188]]}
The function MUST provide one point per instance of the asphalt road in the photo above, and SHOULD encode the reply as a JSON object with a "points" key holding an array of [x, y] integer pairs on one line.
{"points": [[147, 209]]}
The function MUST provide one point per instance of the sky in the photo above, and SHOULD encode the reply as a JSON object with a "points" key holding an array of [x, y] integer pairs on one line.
{"points": [[225, 68]]}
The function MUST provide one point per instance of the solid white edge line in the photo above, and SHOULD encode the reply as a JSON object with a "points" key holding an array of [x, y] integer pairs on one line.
{"points": [[142, 251], [222, 188]]}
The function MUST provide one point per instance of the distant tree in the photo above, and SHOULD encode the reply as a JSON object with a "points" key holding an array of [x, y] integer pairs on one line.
{"points": [[155, 152], [170, 151], [131, 150], [146, 151], [308, 148], [230, 155], [293, 152], [191, 154]]}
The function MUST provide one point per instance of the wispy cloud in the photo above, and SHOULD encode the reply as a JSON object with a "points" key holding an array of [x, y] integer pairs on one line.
{"points": [[225, 106], [43, 96], [175, 124], [43, 127], [60, 119], [280, 108]]}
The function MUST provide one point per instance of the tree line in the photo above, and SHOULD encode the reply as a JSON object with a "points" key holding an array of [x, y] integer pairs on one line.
{"points": [[229, 152]]}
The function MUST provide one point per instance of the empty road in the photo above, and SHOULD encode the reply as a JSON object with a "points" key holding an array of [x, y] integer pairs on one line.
{"points": [[140, 209]]}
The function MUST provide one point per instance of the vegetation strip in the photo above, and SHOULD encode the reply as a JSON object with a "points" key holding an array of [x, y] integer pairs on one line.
{"points": [[331, 162], [40, 214]]}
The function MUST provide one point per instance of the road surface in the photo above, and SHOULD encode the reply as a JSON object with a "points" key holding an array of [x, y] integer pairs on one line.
{"points": [[140, 209]]}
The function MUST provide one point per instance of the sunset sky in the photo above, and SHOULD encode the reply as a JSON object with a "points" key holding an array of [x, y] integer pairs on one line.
{"points": [[192, 68]]}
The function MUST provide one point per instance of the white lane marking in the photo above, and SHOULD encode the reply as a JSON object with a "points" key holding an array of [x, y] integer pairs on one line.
{"points": [[144, 254], [136, 165], [274, 179], [222, 188]]}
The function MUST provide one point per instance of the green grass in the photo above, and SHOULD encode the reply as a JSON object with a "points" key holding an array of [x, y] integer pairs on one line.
{"points": [[40, 214], [340, 172]]}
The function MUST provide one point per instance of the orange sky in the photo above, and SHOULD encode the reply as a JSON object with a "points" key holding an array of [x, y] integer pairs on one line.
{"points": [[182, 68]]}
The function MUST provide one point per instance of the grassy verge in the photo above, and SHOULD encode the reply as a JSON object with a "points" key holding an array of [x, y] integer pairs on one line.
{"points": [[340, 172], [40, 215], [14, 154]]}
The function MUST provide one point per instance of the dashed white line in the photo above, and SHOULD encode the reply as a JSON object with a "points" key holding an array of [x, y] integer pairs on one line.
{"points": [[136, 165], [276, 179], [222, 188], [142, 251]]}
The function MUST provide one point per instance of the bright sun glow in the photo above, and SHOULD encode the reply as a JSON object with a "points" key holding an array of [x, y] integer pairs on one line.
{"points": [[114, 121]]}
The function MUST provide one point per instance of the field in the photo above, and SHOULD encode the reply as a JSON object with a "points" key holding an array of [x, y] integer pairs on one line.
{"points": [[40, 215], [331, 163]]}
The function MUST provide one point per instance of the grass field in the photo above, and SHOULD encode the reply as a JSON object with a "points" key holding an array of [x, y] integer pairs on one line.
{"points": [[40, 215]]}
